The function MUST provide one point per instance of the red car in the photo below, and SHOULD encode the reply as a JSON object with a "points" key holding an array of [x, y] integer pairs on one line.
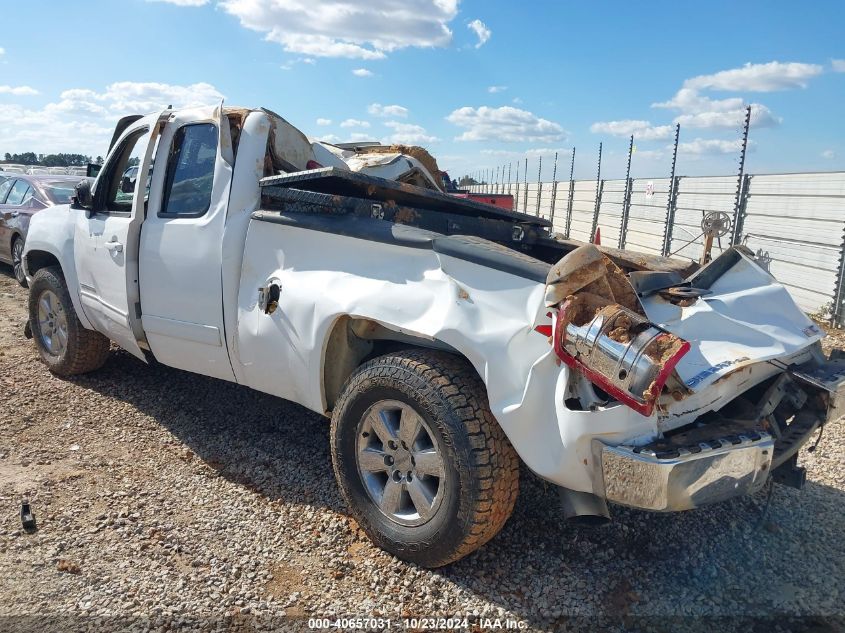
{"points": [[20, 197]]}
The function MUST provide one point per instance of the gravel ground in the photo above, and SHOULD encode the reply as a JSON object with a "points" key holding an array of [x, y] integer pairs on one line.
{"points": [[166, 499]]}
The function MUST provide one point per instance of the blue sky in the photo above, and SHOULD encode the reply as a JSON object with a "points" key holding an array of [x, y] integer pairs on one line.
{"points": [[479, 83]]}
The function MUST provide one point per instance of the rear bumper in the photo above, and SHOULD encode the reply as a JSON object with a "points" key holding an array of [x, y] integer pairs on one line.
{"points": [[667, 477], [718, 470]]}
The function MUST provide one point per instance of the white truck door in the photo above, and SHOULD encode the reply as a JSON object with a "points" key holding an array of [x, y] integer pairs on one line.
{"points": [[181, 244], [106, 238]]}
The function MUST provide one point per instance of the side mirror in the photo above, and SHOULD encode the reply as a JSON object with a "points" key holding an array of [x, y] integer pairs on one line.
{"points": [[83, 198], [92, 170]]}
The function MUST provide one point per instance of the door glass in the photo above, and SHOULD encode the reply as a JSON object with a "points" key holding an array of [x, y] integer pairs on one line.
{"points": [[4, 189], [190, 171], [123, 173], [18, 193]]}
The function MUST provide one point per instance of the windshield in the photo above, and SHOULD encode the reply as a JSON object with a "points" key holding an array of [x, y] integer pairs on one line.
{"points": [[59, 191]]}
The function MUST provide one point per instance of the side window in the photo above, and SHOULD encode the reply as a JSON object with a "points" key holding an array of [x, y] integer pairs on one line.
{"points": [[190, 171], [122, 174], [18, 193], [4, 189]]}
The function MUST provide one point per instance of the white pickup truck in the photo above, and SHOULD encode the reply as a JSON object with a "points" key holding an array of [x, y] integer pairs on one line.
{"points": [[446, 339]]}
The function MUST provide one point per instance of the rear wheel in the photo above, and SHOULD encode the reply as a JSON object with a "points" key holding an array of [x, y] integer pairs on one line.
{"points": [[425, 468], [63, 343], [17, 260]]}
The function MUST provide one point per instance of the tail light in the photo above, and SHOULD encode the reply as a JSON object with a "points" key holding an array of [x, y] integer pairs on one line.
{"points": [[618, 350]]}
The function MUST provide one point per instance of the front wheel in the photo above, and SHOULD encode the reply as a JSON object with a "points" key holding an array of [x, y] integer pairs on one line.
{"points": [[425, 468], [63, 343]]}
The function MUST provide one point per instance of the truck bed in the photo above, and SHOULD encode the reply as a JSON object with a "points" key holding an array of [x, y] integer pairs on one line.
{"points": [[335, 192]]}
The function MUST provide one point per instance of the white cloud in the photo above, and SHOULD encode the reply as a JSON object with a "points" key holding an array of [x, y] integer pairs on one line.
{"points": [[82, 119], [328, 138], [322, 121], [689, 100], [183, 3], [357, 137], [516, 100], [130, 96], [409, 133], [829, 154], [495, 89], [701, 146], [642, 130], [18, 91], [761, 116], [837, 65], [535, 151], [700, 111], [506, 124], [354, 123], [650, 154], [481, 32], [302, 60], [362, 72], [376, 109], [338, 28], [2, 51], [757, 77]]}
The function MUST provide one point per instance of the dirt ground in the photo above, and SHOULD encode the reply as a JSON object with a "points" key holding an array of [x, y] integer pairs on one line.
{"points": [[168, 500]]}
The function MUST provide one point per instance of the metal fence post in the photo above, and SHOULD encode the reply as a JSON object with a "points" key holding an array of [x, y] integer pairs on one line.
{"points": [[626, 199], [525, 193], [571, 195], [670, 201], [516, 195], [599, 187], [838, 311], [539, 183], [671, 207], [554, 195], [739, 217], [740, 180]]}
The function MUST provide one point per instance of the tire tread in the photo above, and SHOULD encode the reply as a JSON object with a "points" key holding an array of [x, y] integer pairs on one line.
{"points": [[494, 461], [87, 350]]}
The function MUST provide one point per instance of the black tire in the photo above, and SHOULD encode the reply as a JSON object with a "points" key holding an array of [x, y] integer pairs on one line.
{"points": [[17, 260], [85, 350], [480, 465]]}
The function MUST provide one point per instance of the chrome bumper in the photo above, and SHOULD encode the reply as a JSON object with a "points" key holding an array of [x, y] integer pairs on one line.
{"points": [[638, 478]]}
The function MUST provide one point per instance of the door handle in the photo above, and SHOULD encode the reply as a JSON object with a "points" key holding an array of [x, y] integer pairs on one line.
{"points": [[15, 214], [114, 246]]}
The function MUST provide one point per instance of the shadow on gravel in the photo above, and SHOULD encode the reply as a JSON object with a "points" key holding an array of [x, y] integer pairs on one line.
{"points": [[714, 561]]}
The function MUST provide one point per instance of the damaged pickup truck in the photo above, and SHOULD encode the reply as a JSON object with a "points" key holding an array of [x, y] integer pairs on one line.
{"points": [[446, 339]]}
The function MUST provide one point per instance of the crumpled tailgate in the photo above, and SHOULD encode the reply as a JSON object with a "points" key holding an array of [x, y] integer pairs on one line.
{"points": [[747, 317]]}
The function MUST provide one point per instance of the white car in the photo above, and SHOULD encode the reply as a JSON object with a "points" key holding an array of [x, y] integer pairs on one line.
{"points": [[447, 340]]}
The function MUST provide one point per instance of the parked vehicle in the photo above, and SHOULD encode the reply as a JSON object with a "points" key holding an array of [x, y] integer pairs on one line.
{"points": [[445, 339], [20, 197], [501, 200]]}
